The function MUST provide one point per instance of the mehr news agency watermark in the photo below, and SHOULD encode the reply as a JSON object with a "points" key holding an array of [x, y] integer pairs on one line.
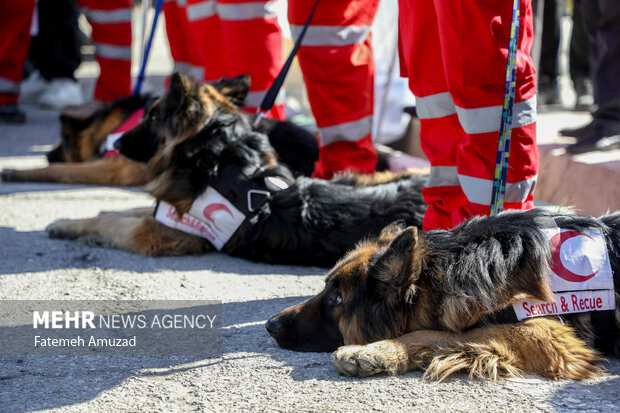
{"points": [[111, 327]]}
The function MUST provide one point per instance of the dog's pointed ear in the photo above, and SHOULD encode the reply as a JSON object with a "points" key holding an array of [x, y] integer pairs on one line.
{"points": [[391, 271], [179, 86], [72, 124], [236, 89], [392, 231]]}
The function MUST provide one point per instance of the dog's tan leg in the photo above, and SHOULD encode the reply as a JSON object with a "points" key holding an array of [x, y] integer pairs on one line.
{"points": [[139, 235], [541, 346], [116, 170]]}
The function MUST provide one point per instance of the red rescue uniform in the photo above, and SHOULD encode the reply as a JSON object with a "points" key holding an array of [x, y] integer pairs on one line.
{"points": [[455, 58]]}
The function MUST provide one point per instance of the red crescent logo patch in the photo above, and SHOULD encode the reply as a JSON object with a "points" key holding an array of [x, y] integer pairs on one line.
{"points": [[211, 208], [557, 267]]}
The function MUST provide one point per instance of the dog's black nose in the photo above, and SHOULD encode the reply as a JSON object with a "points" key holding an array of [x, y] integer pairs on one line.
{"points": [[274, 326]]}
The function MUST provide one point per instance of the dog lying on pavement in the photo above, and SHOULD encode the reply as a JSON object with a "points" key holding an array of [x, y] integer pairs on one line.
{"points": [[477, 298], [219, 180], [86, 155]]}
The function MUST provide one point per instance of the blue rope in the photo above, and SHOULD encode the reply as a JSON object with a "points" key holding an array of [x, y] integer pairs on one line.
{"points": [[147, 50], [503, 146]]}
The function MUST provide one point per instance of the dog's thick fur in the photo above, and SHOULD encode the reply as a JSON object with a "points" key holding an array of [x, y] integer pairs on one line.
{"points": [[313, 222], [78, 159], [409, 300]]}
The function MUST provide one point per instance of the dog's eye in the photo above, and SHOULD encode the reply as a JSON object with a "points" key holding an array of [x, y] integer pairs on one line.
{"points": [[337, 299]]}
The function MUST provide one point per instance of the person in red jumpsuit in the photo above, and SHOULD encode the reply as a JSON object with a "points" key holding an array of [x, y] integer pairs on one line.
{"points": [[242, 37], [455, 59], [15, 19]]}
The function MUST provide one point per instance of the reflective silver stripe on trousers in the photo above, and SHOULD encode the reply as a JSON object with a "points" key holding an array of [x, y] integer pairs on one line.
{"points": [[331, 35], [350, 131], [442, 176], [246, 11], [254, 99], [435, 106], [200, 10], [484, 120], [478, 120], [112, 51], [196, 72], [479, 190], [9, 86], [108, 16], [239, 11]]}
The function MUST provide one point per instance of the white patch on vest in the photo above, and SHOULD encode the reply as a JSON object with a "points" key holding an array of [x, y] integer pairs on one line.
{"points": [[580, 275], [211, 216], [111, 139]]}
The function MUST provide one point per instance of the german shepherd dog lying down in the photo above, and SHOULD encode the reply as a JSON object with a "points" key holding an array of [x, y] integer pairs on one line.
{"points": [[84, 158], [209, 149], [79, 158], [448, 301]]}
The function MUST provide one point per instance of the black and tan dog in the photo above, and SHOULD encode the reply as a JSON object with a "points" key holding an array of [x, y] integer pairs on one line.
{"points": [[205, 143], [79, 159], [443, 301]]}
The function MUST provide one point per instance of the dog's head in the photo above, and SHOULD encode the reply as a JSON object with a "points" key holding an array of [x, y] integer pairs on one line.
{"points": [[365, 297], [185, 107], [200, 131], [81, 138]]}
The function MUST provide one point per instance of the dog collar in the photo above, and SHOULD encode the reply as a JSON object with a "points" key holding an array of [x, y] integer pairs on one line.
{"points": [[223, 207]]}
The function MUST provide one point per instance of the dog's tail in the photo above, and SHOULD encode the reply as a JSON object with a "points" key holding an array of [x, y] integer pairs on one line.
{"points": [[612, 221]]}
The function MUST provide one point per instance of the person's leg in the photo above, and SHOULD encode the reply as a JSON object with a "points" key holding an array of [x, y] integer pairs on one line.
{"points": [[338, 68], [440, 131], [548, 88], [15, 18], [111, 23], [606, 70], [186, 56], [208, 42], [56, 53], [579, 59], [474, 44], [253, 44], [602, 19]]}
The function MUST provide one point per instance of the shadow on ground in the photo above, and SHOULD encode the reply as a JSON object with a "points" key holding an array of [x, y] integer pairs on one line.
{"points": [[34, 251]]}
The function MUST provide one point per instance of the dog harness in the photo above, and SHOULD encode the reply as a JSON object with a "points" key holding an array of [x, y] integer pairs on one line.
{"points": [[581, 277], [231, 200], [582, 281], [107, 147]]}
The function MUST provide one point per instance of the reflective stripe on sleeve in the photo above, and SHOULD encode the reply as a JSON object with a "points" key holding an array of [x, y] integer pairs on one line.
{"points": [[442, 176]]}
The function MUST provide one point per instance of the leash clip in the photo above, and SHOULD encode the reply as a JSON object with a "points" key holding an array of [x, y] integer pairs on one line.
{"points": [[260, 196]]}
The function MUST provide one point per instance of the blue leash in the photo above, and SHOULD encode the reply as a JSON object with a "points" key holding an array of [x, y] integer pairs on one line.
{"points": [[147, 50], [503, 145]]}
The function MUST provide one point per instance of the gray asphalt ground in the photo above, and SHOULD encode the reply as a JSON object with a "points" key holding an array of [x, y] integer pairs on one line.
{"points": [[253, 374]]}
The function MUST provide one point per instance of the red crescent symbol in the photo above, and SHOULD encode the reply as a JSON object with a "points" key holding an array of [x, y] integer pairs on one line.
{"points": [[211, 208], [560, 270]]}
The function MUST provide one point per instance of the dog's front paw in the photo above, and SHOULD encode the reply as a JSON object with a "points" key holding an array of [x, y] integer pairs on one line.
{"points": [[64, 229], [384, 356]]}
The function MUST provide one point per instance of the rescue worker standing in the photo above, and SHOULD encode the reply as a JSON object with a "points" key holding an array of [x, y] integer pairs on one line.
{"points": [[455, 58], [15, 18], [338, 69]]}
